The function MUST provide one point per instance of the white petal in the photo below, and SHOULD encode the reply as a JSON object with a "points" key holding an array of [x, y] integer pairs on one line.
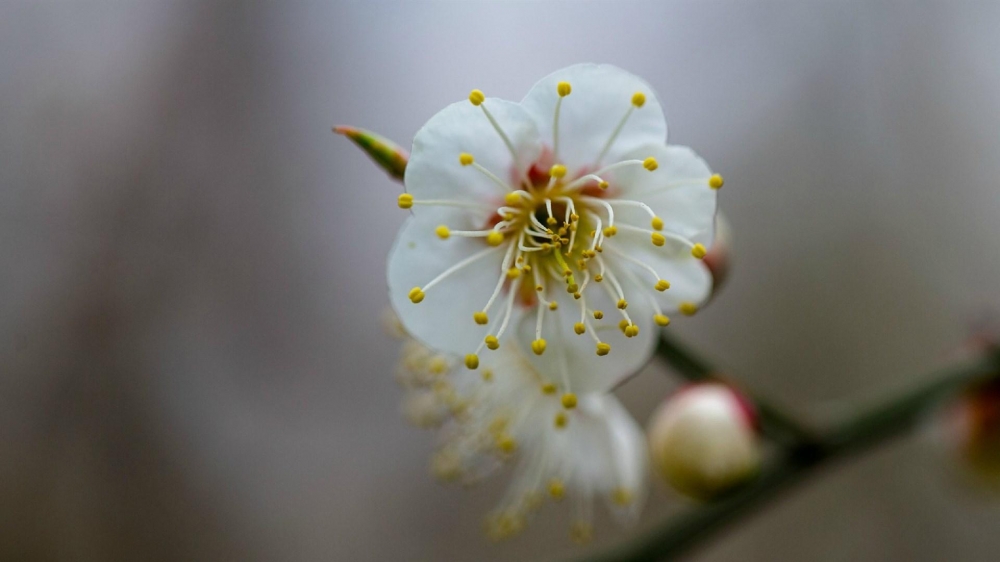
{"points": [[434, 171], [690, 279], [444, 319], [601, 95], [677, 191], [576, 354]]}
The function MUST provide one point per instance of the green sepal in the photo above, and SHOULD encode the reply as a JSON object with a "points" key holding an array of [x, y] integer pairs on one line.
{"points": [[387, 154]]}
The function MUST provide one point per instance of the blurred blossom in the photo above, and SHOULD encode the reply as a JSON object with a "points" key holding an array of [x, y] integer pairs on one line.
{"points": [[557, 219], [703, 440], [508, 412]]}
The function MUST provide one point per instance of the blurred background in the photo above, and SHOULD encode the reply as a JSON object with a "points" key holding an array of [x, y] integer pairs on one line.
{"points": [[192, 365]]}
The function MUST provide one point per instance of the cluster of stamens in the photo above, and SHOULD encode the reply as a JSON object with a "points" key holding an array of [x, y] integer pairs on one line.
{"points": [[552, 233]]}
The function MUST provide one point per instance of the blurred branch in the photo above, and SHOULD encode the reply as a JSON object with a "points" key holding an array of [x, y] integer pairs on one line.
{"points": [[873, 426], [774, 422]]}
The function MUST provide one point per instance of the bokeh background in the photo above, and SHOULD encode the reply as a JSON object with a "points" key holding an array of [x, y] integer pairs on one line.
{"points": [[192, 365]]}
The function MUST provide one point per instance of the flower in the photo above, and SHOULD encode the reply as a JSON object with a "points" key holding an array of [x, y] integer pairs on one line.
{"points": [[972, 425], [507, 412], [703, 440], [551, 223]]}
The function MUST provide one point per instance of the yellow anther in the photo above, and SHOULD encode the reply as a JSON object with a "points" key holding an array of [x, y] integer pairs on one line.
{"points": [[443, 232], [622, 324], [416, 295], [572, 288], [557, 171], [512, 198], [622, 304], [688, 308], [472, 361], [438, 365], [603, 349], [549, 388], [477, 97], [638, 99], [492, 342], [577, 295], [553, 305], [465, 159], [662, 285], [487, 375], [699, 251], [551, 221], [621, 496], [602, 184], [494, 238], [610, 231], [658, 239], [715, 182], [481, 318], [506, 443], [579, 328], [539, 288], [560, 420], [564, 89], [650, 164], [661, 320], [569, 400], [598, 314], [538, 346], [557, 489], [513, 273], [405, 201], [598, 278], [631, 331], [656, 223]]}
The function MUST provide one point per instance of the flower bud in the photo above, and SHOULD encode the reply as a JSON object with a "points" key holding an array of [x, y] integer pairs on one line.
{"points": [[388, 155], [703, 440], [974, 434], [719, 258]]}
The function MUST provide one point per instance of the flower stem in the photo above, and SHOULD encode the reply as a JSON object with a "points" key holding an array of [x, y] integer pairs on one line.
{"points": [[774, 422], [873, 426]]}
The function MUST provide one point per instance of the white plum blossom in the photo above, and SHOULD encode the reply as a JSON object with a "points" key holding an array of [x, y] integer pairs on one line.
{"points": [[508, 413], [563, 223]]}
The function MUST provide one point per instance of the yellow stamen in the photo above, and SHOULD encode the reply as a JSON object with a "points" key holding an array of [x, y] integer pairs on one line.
{"points": [[650, 164], [557, 171], [598, 314], [579, 328], [513, 273], [688, 308], [658, 239], [465, 159], [443, 232], [553, 305], [638, 99], [603, 349], [557, 489], [662, 285], [494, 238], [661, 320], [621, 496], [487, 375], [610, 231], [492, 342], [569, 400], [472, 361], [481, 318], [622, 304], [512, 198], [699, 251], [538, 346], [564, 89], [656, 223], [560, 420], [477, 97], [416, 295], [549, 388], [715, 182], [405, 201]]}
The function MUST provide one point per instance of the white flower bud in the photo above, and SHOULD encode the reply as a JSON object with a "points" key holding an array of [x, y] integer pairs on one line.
{"points": [[703, 441]]}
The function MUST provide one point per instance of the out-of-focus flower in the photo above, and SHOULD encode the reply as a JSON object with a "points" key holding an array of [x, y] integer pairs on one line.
{"points": [[974, 423], [507, 412], [565, 220], [703, 440]]}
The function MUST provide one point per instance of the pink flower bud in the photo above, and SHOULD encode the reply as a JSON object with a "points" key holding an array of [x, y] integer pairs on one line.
{"points": [[703, 440]]}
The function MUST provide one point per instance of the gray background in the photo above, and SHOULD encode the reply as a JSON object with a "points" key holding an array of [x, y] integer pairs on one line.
{"points": [[193, 265]]}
